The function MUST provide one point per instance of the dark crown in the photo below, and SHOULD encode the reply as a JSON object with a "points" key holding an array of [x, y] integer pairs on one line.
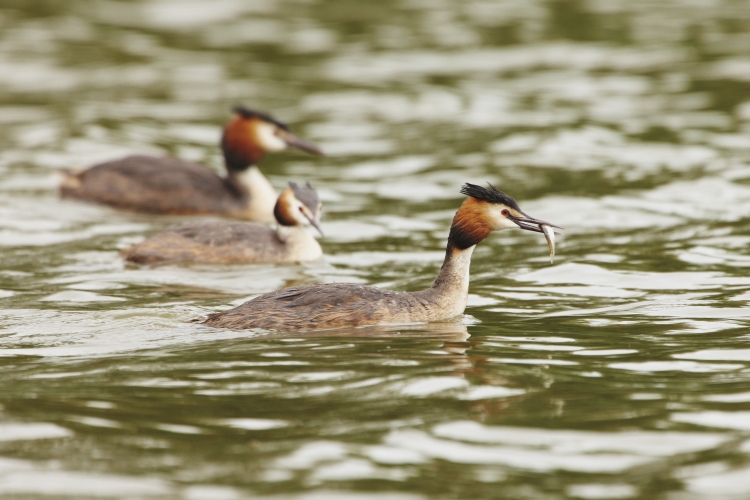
{"points": [[249, 113], [491, 194], [306, 195]]}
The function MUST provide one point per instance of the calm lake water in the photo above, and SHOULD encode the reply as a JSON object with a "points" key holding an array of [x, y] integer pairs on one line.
{"points": [[621, 371]]}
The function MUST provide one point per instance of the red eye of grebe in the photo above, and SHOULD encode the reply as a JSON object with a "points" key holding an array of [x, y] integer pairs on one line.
{"points": [[505, 212]]}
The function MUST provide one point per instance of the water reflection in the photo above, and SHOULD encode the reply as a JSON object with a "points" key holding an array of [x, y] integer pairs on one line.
{"points": [[620, 372], [451, 331]]}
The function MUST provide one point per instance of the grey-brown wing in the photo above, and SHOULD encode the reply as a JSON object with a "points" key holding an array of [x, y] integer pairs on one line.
{"points": [[331, 305], [146, 183], [331, 294], [226, 233], [209, 242]]}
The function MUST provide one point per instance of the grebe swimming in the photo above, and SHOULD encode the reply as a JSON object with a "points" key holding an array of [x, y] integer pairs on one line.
{"points": [[172, 186], [227, 242], [338, 305]]}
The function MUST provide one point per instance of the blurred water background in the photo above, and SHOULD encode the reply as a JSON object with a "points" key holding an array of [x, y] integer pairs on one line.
{"points": [[621, 371]]}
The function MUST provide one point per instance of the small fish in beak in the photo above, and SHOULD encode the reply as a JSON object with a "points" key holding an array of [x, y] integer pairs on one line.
{"points": [[538, 226], [549, 233]]}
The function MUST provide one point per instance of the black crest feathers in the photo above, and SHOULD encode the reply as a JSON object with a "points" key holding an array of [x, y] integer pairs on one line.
{"points": [[249, 113], [470, 224], [490, 194]]}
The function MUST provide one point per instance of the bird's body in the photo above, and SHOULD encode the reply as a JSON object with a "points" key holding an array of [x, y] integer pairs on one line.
{"points": [[171, 186], [230, 242], [338, 305]]}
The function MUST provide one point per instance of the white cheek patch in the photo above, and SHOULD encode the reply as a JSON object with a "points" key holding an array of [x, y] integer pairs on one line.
{"points": [[500, 221], [299, 216], [508, 224], [267, 139]]}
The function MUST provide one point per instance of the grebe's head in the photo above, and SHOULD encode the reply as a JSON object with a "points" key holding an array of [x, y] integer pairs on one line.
{"points": [[299, 206], [252, 134], [487, 210]]}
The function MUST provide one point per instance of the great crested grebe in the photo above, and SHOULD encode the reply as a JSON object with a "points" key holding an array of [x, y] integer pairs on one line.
{"points": [[224, 242], [172, 186], [339, 305]]}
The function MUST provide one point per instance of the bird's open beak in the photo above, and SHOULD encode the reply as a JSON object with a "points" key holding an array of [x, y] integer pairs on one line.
{"points": [[532, 224], [293, 141]]}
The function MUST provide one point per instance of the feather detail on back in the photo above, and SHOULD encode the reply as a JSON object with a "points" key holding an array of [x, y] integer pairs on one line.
{"points": [[332, 305], [223, 242], [156, 185]]}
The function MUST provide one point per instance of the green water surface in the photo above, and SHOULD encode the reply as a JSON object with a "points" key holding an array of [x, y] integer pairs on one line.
{"points": [[621, 371]]}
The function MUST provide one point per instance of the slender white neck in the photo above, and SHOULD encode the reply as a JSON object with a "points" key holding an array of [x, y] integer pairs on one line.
{"points": [[451, 287], [261, 194]]}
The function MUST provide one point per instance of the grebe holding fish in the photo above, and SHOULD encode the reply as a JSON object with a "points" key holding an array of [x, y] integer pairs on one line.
{"points": [[340, 305]]}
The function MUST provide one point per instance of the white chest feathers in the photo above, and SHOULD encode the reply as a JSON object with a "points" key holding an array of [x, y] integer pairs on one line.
{"points": [[299, 244], [262, 195]]}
